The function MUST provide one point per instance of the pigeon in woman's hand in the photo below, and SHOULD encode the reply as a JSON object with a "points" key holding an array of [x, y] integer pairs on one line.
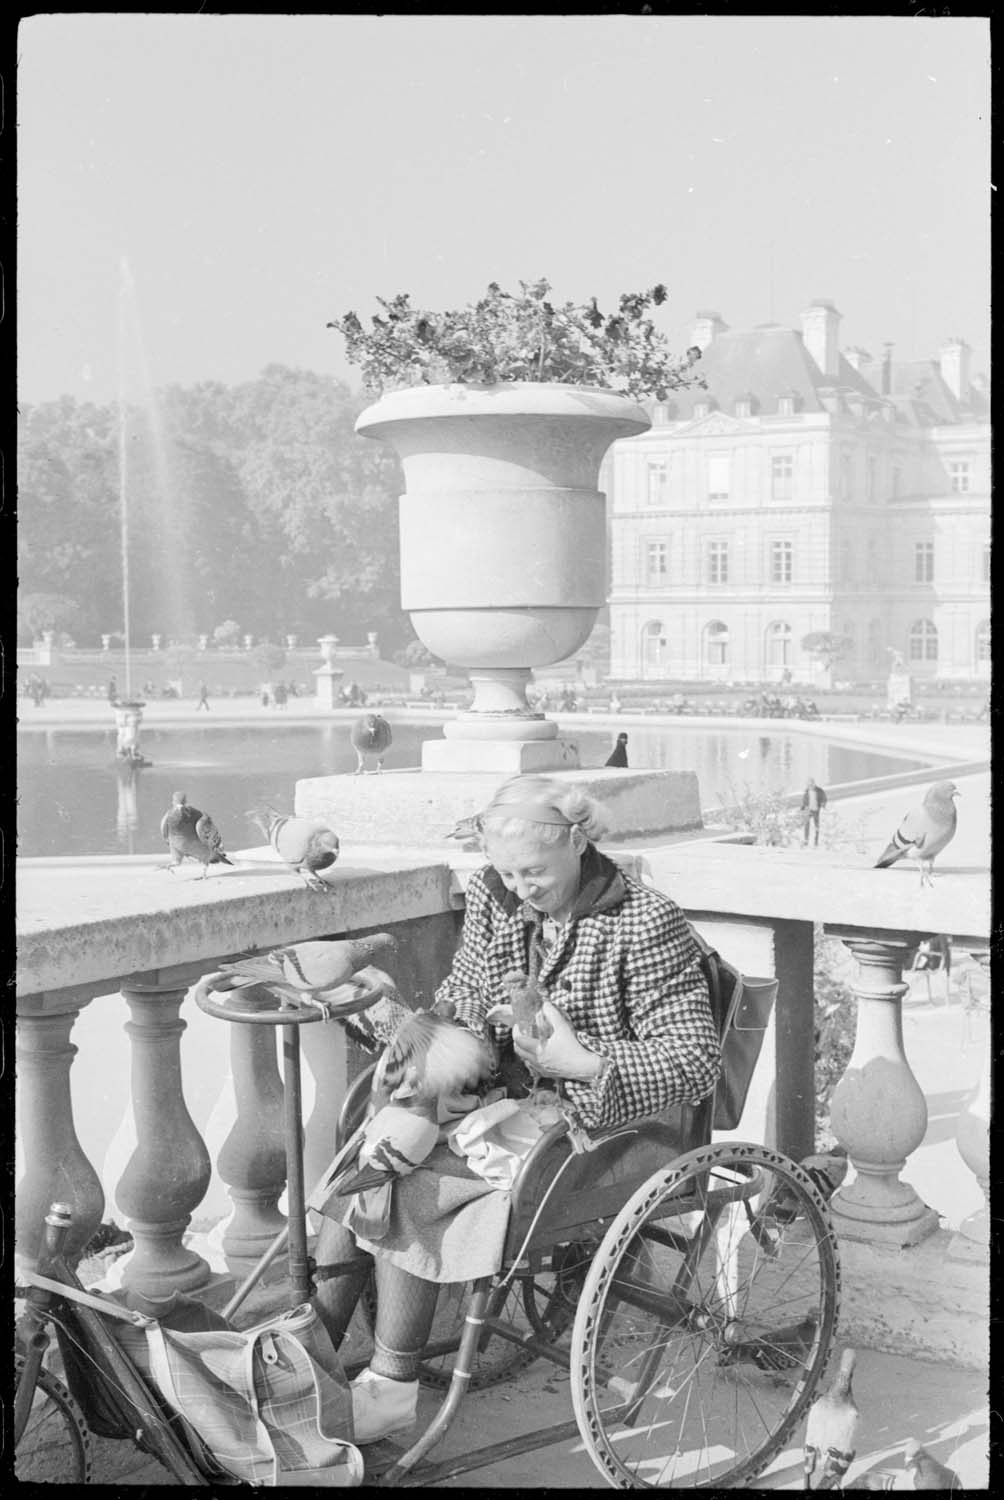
{"points": [[371, 738], [307, 845], [831, 1430], [924, 832], [191, 834], [305, 973]]}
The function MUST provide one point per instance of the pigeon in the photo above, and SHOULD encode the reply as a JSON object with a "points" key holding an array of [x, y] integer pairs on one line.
{"points": [[831, 1430], [467, 832], [304, 973], [371, 736], [781, 1349], [924, 831], [925, 1470], [618, 755], [429, 1060], [191, 834], [934, 953], [523, 1011], [307, 845]]}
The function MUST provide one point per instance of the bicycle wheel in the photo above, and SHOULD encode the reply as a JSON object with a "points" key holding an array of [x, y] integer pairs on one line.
{"points": [[705, 1322], [55, 1445]]}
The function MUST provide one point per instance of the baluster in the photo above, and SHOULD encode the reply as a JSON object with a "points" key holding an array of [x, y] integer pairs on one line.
{"points": [[55, 1165], [878, 1110], [252, 1159], [168, 1172], [972, 1136]]}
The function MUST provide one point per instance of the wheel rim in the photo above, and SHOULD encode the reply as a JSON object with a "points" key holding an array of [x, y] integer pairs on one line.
{"points": [[55, 1446], [705, 1322]]}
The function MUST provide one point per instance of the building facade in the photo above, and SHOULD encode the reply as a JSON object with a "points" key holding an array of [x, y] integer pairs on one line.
{"points": [[806, 489]]}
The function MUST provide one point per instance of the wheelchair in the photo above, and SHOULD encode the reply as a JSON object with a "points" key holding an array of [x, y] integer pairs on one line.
{"points": [[690, 1290]]}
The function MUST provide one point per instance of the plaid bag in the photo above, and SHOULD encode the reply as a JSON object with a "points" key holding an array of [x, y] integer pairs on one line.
{"points": [[271, 1403]]}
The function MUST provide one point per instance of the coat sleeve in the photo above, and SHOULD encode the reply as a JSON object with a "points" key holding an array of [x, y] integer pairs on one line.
{"points": [[465, 985], [673, 1054]]}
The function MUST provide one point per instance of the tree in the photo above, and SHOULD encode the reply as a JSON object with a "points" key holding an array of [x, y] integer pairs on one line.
{"points": [[827, 646], [227, 634], [38, 612], [269, 657]]}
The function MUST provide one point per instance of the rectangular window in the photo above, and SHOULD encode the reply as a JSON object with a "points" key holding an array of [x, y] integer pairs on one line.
{"points": [[923, 562], [897, 480], [872, 473], [656, 562], [658, 481], [782, 470], [845, 475], [718, 562], [960, 472], [986, 564], [780, 562], [718, 476]]}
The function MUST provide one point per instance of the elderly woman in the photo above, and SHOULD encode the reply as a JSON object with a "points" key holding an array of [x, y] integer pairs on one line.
{"points": [[631, 1032]]}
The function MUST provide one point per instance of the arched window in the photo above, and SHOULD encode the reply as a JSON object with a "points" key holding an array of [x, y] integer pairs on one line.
{"points": [[983, 642], [716, 643], [923, 641], [653, 649], [778, 644]]}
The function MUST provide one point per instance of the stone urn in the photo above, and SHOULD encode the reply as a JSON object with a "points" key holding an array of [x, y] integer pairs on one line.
{"points": [[503, 546], [328, 676]]}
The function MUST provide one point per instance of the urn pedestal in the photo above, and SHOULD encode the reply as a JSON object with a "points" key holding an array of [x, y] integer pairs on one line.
{"points": [[503, 547]]}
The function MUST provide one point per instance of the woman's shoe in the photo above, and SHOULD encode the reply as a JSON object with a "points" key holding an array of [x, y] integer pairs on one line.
{"points": [[381, 1406]]}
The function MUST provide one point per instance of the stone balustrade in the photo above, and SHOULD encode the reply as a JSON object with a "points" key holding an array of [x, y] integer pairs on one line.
{"points": [[90, 929]]}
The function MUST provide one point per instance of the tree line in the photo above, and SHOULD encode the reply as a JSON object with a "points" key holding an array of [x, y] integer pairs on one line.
{"points": [[254, 503]]}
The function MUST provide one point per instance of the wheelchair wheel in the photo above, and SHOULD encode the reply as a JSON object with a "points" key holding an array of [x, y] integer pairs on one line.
{"points": [[497, 1357], [55, 1445], [705, 1322]]}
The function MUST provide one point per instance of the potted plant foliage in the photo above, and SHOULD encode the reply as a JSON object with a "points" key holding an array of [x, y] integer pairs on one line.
{"points": [[500, 413]]}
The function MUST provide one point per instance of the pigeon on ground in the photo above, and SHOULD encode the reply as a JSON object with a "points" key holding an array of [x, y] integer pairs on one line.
{"points": [[618, 755], [304, 973], [430, 1059], [925, 1470], [780, 1349], [307, 845], [831, 1430], [371, 737], [191, 834], [925, 831]]}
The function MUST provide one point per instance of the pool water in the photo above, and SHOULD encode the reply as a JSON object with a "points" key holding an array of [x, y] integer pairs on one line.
{"points": [[75, 800]]}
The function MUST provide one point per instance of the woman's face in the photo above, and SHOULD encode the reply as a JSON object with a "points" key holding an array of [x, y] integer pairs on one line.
{"points": [[546, 875]]}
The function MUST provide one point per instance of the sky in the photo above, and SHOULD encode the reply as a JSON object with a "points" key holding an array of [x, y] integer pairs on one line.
{"points": [[199, 195]]}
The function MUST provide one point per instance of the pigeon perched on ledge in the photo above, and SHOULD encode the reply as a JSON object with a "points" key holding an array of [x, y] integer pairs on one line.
{"points": [[371, 737], [618, 755], [191, 834], [305, 973], [307, 845], [924, 832]]}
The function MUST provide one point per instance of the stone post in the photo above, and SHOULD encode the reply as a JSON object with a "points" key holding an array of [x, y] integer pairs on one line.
{"points": [[106, 643], [168, 1173], [291, 641], [56, 1167], [156, 640], [972, 1136], [252, 1159], [878, 1111], [203, 642], [328, 675], [248, 642]]}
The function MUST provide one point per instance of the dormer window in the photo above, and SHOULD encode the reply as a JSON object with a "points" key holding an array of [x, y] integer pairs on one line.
{"points": [[788, 403], [701, 408], [746, 405]]}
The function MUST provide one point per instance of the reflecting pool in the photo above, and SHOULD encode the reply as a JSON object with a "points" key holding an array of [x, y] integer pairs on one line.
{"points": [[74, 799]]}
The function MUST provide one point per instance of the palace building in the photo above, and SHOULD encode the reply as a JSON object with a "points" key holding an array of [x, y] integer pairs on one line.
{"points": [[806, 489]]}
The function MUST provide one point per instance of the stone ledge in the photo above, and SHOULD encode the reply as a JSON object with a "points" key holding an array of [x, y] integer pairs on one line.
{"points": [[929, 1300]]}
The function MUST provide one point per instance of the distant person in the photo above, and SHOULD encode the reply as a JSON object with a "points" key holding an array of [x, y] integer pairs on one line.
{"points": [[615, 704], [813, 802], [618, 755], [291, 689], [36, 690], [265, 698], [280, 695], [113, 691], [203, 697]]}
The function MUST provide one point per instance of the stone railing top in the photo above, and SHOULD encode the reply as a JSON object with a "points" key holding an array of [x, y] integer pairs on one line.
{"points": [[842, 890], [83, 924]]}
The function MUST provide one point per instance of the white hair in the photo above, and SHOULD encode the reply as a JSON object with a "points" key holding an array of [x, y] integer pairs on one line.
{"points": [[581, 810]]}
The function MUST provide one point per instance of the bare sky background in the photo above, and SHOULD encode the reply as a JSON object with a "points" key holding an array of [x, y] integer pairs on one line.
{"points": [[265, 174]]}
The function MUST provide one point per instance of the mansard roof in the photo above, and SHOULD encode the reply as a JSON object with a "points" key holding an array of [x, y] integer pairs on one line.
{"points": [[769, 362]]}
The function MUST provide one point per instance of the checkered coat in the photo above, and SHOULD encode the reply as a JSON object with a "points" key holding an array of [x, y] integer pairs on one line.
{"points": [[626, 973]]}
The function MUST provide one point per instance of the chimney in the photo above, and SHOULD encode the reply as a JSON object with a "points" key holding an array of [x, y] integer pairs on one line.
{"points": [[856, 357], [886, 368], [820, 322], [954, 359], [707, 328]]}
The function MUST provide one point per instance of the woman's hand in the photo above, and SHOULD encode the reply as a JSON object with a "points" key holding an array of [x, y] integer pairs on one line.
{"points": [[561, 1055]]}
